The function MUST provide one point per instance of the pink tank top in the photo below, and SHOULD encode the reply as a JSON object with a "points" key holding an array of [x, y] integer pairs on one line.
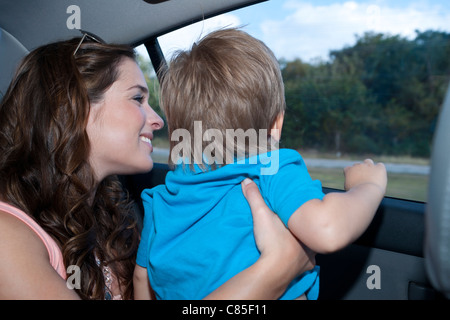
{"points": [[54, 252]]}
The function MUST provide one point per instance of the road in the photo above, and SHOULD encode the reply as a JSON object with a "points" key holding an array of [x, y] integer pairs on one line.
{"points": [[161, 155]]}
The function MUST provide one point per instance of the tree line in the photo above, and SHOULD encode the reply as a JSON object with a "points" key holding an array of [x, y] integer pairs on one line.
{"points": [[380, 96]]}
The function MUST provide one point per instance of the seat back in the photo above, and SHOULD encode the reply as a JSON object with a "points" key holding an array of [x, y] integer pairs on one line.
{"points": [[437, 217], [11, 52]]}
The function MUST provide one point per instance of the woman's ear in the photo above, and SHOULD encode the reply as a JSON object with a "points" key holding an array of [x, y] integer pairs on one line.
{"points": [[277, 125]]}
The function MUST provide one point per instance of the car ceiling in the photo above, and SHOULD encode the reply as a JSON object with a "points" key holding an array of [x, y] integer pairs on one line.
{"points": [[34, 23]]}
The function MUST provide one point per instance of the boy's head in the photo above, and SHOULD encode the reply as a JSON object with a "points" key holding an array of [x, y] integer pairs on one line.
{"points": [[228, 81]]}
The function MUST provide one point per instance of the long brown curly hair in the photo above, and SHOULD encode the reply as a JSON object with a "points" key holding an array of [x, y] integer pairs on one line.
{"points": [[44, 167]]}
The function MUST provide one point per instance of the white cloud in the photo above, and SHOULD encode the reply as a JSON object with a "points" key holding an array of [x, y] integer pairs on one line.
{"points": [[183, 39], [311, 31]]}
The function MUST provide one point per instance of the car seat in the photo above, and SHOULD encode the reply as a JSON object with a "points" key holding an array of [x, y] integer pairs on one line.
{"points": [[437, 216], [11, 52]]}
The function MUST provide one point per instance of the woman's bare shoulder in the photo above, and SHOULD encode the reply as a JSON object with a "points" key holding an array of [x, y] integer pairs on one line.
{"points": [[25, 269], [14, 234]]}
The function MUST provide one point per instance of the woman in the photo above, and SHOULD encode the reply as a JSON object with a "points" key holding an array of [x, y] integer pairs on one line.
{"points": [[75, 115]]}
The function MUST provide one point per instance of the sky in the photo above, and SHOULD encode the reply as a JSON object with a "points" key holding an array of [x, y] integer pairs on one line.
{"points": [[309, 29]]}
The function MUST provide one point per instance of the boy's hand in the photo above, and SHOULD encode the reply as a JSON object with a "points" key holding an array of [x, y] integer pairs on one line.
{"points": [[366, 172]]}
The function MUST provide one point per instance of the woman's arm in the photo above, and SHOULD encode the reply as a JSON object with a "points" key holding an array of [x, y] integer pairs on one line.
{"points": [[282, 256], [25, 270]]}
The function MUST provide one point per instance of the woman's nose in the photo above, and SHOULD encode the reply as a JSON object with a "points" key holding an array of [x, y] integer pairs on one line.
{"points": [[154, 120]]}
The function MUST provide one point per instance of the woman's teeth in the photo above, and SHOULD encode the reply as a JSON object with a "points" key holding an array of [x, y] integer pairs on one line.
{"points": [[145, 139]]}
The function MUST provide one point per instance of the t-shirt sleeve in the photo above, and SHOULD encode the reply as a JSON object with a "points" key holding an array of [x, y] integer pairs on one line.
{"points": [[142, 253], [291, 186]]}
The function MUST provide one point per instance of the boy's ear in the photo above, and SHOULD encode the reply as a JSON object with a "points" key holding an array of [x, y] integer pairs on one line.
{"points": [[275, 131]]}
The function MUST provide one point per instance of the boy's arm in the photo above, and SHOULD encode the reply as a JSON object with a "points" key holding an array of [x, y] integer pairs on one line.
{"points": [[142, 288], [338, 219]]}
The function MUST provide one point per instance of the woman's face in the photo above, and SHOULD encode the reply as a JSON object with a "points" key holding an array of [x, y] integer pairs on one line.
{"points": [[120, 128]]}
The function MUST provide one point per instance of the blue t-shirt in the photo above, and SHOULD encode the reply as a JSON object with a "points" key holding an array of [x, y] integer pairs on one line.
{"points": [[198, 227]]}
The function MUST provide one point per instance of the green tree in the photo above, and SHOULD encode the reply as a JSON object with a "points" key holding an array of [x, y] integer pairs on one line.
{"points": [[381, 95], [153, 87]]}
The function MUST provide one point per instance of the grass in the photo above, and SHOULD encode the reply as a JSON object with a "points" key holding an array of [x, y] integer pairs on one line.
{"points": [[403, 186]]}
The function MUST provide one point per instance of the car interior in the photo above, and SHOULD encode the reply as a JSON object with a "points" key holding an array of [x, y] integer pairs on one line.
{"points": [[408, 243]]}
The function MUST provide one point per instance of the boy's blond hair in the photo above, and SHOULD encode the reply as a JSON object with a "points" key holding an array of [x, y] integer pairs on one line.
{"points": [[228, 80]]}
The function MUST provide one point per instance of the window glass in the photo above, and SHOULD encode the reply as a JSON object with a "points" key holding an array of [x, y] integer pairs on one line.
{"points": [[362, 78], [160, 138]]}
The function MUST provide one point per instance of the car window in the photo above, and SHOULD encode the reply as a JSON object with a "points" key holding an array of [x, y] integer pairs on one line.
{"points": [[160, 138], [363, 79]]}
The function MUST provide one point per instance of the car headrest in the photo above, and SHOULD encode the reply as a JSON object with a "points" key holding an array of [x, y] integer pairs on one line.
{"points": [[11, 52], [437, 216]]}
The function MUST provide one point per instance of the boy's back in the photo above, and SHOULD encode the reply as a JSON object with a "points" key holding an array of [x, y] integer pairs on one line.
{"points": [[200, 229]]}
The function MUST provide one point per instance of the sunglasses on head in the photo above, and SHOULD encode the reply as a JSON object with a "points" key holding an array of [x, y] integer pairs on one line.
{"points": [[88, 35]]}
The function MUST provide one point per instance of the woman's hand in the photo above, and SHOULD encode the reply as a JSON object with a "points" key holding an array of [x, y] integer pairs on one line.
{"points": [[275, 242], [282, 256]]}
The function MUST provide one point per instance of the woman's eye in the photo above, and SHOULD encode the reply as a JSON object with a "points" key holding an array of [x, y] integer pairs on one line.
{"points": [[139, 99]]}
